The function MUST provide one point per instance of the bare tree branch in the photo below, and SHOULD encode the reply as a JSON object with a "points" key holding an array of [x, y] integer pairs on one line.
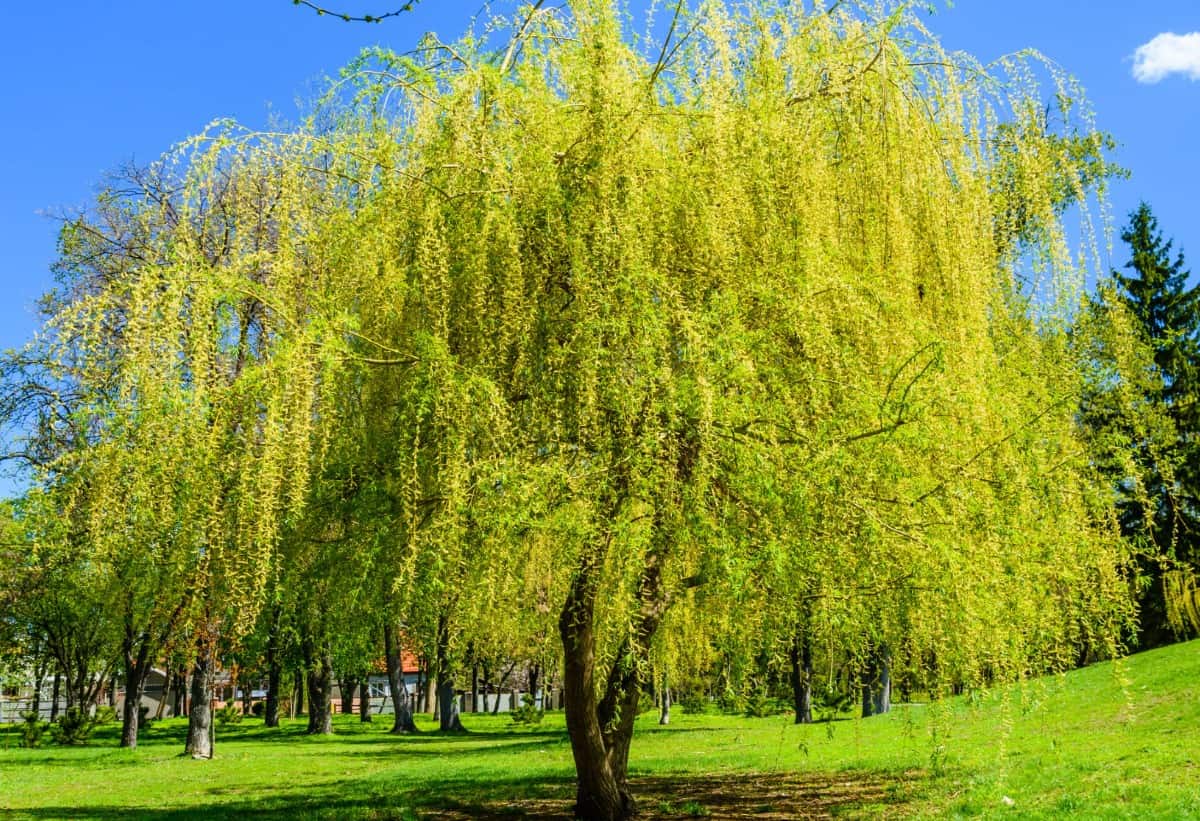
{"points": [[351, 18]]}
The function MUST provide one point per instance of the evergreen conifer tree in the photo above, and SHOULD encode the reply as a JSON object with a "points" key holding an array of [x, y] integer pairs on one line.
{"points": [[1156, 293]]}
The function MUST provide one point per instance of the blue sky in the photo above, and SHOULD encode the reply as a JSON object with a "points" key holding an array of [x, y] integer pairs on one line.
{"points": [[91, 84]]}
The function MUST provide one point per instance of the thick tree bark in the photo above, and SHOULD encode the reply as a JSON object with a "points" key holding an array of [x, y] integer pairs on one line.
{"points": [[402, 720], [801, 657], [347, 687], [320, 692], [598, 794], [448, 718], [200, 716]]}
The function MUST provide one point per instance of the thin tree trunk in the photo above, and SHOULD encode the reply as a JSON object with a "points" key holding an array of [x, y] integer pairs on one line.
{"points": [[801, 658], [54, 695], [475, 687], [364, 702], [298, 701], [247, 684], [179, 693], [35, 703], [664, 714], [274, 671], [200, 716], [162, 697], [274, 679], [402, 721], [429, 695]]}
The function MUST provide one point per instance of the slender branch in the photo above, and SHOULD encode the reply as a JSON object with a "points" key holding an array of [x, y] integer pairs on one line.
{"points": [[351, 18]]}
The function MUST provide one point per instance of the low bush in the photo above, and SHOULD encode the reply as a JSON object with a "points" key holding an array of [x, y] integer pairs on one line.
{"points": [[74, 727], [32, 729], [229, 714], [528, 713]]}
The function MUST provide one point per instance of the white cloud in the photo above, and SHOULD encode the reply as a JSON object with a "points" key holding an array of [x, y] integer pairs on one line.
{"points": [[1168, 54]]}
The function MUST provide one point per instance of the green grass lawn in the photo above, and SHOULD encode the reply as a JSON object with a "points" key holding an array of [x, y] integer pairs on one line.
{"points": [[1105, 742]]}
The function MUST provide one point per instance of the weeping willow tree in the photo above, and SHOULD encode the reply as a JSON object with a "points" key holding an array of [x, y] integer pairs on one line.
{"points": [[187, 337], [754, 332], [747, 308]]}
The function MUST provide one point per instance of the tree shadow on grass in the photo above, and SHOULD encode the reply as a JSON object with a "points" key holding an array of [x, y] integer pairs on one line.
{"points": [[759, 796]]}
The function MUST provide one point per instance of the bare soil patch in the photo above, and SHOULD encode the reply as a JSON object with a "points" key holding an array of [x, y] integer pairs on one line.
{"points": [[758, 796]]}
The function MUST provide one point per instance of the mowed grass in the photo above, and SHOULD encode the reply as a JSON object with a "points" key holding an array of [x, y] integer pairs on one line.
{"points": [[1110, 741]]}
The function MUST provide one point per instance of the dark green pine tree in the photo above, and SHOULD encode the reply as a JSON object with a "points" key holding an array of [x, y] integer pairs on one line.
{"points": [[1155, 290]]}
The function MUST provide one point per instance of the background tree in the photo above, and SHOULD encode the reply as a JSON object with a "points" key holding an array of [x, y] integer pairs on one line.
{"points": [[1154, 406]]}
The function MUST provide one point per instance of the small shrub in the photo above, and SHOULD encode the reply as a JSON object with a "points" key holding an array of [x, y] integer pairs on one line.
{"points": [[527, 713], [645, 703], [104, 715], [695, 703], [731, 702], [74, 727], [32, 729], [258, 708], [229, 714], [144, 716], [758, 705]]}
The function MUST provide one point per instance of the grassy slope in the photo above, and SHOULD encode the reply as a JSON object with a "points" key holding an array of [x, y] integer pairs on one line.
{"points": [[1103, 742]]}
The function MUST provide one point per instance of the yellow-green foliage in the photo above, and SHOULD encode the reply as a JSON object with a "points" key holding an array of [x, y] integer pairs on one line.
{"points": [[743, 308]]}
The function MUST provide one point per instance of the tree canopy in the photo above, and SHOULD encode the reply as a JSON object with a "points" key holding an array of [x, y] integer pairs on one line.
{"points": [[629, 343]]}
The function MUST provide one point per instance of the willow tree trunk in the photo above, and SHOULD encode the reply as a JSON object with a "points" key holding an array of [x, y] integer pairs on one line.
{"points": [[664, 713], [598, 794], [136, 666], [877, 682], [364, 702], [801, 658], [320, 694], [200, 716], [347, 687], [402, 721], [448, 718]]}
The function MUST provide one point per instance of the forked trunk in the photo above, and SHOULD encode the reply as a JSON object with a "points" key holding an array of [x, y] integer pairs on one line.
{"points": [[599, 796], [200, 717], [402, 716]]}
